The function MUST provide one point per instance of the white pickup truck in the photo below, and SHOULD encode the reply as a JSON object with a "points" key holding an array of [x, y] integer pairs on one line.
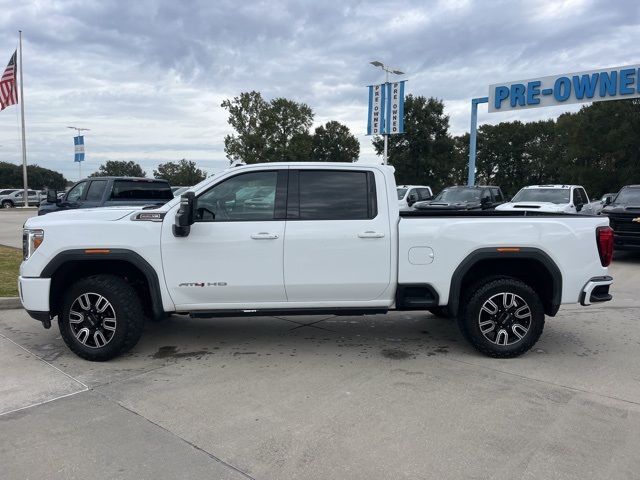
{"points": [[552, 199], [330, 239]]}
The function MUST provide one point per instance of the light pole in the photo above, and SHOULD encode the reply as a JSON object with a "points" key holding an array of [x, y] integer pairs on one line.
{"points": [[78, 130], [387, 70]]}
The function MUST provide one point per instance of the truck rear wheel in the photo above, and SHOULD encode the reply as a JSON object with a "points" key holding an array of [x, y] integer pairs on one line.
{"points": [[101, 317], [503, 318]]}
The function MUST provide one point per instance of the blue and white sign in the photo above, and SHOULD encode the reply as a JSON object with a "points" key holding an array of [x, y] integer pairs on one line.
{"points": [[591, 86], [395, 108], [386, 109], [376, 109], [79, 148]]}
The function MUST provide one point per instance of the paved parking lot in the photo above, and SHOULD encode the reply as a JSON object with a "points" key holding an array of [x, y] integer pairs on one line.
{"points": [[384, 396], [11, 221]]}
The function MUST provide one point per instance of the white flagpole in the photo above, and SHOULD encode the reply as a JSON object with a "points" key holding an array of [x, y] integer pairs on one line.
{"points": [[24, 144]]}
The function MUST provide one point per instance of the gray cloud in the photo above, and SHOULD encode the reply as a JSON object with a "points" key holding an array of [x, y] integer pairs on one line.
{"points": [[148, 77]]}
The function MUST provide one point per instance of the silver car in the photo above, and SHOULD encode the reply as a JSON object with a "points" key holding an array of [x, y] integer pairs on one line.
{"points": [[16, 199]]}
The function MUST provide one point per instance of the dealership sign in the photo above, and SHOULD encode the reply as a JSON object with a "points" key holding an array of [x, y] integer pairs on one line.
{"points": [[386, 109], [591, 86], [78, 143]]}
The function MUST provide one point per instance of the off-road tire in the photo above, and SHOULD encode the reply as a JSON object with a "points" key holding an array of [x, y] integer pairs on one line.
{"points": [[468, 319], [126, 305]]}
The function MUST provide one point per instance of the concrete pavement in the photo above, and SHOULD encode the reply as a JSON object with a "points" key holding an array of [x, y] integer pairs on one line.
{"points": [[11, 221], [384, 396]]}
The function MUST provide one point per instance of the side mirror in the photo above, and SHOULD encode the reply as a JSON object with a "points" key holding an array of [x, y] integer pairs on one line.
{"points": [[608, 199], [411, 199], [579, 206], [52, 196], [186, 215]]}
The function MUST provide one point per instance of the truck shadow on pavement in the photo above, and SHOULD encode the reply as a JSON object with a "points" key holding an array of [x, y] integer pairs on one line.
{"points": [[395, 336]]}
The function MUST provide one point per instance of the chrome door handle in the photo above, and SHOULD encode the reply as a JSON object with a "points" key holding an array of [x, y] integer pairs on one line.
{"points": [[370, 234], [264, 236]]}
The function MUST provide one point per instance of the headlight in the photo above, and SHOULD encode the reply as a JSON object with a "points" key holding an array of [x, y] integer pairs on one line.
{"points": [[31, 240]]}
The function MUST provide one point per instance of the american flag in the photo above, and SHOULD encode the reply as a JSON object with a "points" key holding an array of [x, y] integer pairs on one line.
{"points": [[8, 90]]}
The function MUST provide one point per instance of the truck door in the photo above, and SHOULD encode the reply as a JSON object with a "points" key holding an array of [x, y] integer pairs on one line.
{"points": [[232, 257], [338, 237]]}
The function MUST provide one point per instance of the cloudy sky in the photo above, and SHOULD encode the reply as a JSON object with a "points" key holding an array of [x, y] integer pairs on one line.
{"points": [[147, 77]]}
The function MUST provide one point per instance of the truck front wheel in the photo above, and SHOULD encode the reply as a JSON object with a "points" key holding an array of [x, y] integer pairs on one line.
{"points": [[101, 318], [503, 318]]}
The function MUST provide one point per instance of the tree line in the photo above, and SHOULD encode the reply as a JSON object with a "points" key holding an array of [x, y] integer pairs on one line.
{"points": [[597, 147]]}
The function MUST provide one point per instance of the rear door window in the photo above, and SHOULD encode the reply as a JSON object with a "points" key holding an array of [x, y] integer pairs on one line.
{"points": [[423, 193], [336, 195]]}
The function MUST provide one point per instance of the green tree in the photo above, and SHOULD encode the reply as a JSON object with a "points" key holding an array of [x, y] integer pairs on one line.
{"points": [[284, 121], [246, 116], [334, 142], [272, 131], [425, 153], [599, 147], [119, 168], [184, 173], [37, 177]]}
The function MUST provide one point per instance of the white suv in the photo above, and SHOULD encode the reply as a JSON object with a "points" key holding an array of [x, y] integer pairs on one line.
{"points": [[551, 199], [410, 194]]}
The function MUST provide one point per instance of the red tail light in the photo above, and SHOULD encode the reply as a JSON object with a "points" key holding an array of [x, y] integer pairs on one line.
{"points": [[604, 238]]}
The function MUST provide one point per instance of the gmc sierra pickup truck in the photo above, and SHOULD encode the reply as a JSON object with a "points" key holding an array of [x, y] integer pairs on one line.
{"points": [[328, 238]]}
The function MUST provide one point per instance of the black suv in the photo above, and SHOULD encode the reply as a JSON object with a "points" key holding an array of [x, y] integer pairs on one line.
{"points": [[624, 217], [108, 192], [479, 197]]}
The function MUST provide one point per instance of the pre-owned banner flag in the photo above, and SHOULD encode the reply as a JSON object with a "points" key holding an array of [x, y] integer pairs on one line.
{"points": [[79, 148], [395, 108], [375, 123]]}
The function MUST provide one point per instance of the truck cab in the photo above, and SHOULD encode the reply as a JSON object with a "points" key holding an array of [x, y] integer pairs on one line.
{"points": [[410, 194], [95, 192]]}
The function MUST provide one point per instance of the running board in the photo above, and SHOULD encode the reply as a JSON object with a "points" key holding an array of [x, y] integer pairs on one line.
{"points": [[285, 311]]}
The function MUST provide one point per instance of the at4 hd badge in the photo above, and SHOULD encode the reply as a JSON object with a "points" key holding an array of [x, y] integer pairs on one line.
{"points": [[203, 284]]}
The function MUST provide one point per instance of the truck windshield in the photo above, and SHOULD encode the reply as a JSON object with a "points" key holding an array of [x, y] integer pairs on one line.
{"points": [[630, 196], [140, 190], [458, 195], [401, 192], [550, 195]]}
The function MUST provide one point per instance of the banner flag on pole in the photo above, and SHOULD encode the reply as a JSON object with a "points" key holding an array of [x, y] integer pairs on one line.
{"points": [[79, 148], [395, 108], [386, 109], [376, 109]]}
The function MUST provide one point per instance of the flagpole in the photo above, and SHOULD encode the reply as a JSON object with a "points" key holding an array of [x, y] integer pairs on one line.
{"points": [[24, 144]]}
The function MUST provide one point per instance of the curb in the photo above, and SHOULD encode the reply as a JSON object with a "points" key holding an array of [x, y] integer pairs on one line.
{"points": [[10, 303]]}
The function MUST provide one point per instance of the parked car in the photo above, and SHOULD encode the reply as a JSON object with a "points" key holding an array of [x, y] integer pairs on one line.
{"points": [[410, 194], [552, 199], [479, 197], [624, 218], [107, 192], [7, 191], [16, 198], [332, 240]]}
